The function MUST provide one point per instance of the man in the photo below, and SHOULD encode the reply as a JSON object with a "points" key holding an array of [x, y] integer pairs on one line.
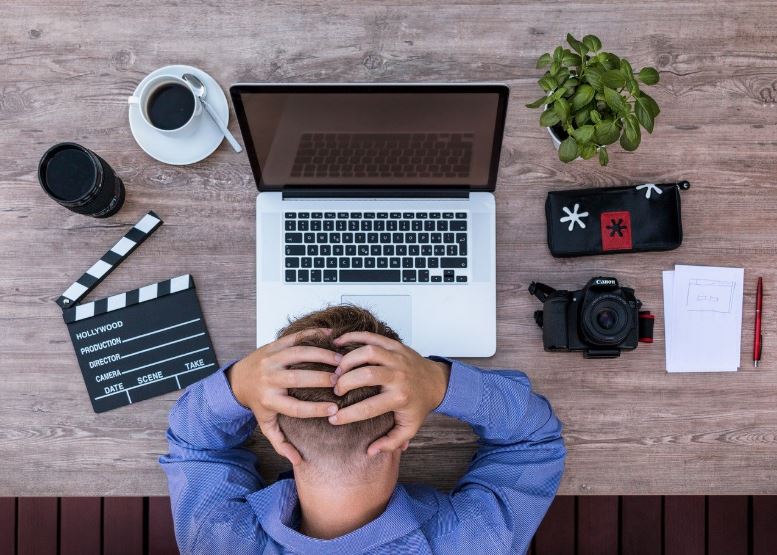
{"points": [[340, 396]]}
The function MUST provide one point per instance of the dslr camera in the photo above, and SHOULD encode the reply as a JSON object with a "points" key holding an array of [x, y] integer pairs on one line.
{"points": [[601, 319]]}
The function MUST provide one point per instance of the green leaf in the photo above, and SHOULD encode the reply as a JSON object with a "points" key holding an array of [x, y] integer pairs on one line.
{"points": [[626, 69], [576, 45], [544, 60], [571, 83], [562, 76], [570, 59], [631, 134], [558, 53], [568, 150], [650, 104], [595, 116], [614, 79], [561, 106], [608, 60], [643, 113], [592, 42], [549, 118], [616, 102], [594, 76], [583, 134], [606, 132], [537, 103], [603, 157], [584, 95], [648, 75], [633, 86], [581, 118], [554, 67], [587, 151], [547, 83]]}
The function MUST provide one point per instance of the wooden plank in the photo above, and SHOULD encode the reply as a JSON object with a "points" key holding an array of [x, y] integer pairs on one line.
{"points": [[641, 525], [7, 525], [597, 524], [67, 78], [161, 535], [764, 524], [556, 534], [37, 526], [684, 525], [80, 521], [123, 525], [727, 525]]}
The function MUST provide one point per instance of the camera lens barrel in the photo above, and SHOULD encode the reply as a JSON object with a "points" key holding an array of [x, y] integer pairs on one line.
{"points": [[607, 320]]}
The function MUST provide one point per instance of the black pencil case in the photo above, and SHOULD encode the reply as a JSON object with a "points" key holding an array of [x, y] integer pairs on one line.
{"points": [[634, 218]]}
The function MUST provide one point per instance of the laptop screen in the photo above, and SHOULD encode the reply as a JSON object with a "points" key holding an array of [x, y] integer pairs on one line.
{"points": [[381, 135]]}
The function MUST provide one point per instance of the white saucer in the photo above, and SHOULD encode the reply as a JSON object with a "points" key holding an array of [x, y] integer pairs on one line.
{"points": [[205, 136]]}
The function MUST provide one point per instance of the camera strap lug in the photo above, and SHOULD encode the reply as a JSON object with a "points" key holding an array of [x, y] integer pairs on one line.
{"points": [[541, 291]]}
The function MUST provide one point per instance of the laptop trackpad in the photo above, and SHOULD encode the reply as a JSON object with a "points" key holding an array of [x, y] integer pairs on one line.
{"points": [[395, 310]]}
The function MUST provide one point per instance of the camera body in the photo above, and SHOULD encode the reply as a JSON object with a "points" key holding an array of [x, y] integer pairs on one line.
{"points": [[601, 319]]}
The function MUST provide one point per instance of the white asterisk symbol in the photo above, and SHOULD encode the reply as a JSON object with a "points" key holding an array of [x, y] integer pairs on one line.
{"points": [[650, 188], [573, 217]]}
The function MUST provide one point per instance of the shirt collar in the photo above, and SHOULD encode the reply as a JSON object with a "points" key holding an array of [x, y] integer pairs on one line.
{"points": [[275, 506]]}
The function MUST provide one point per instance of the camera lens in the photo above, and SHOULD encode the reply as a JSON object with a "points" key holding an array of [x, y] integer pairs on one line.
{"points": [[606, 320]]}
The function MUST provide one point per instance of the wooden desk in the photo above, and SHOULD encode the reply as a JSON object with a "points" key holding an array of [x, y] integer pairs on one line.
{"points": [[630, 427]]}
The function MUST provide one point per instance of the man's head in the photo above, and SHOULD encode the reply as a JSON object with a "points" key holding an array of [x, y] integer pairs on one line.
{"points": [[321, 444]]}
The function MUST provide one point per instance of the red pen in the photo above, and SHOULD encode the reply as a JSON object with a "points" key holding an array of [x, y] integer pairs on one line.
{"points": [[758, 339]]}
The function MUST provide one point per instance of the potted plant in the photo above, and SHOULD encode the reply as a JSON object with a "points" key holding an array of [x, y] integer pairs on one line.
{"points": [[593, 99]]}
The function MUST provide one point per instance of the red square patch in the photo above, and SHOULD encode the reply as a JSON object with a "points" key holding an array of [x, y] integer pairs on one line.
{"points": [[616, 231]]}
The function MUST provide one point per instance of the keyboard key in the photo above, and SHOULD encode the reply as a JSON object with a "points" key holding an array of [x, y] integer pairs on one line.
{"points": [[388, 250], [451, 250], [337, 250], [426, 250], [429, 225], [325, 250], [342, 215], [408, 276], [407, 262], [310, 237], [302, 275], [291, 275], [423, 237], [369, 262], [439, 250], [331, 262], [290, 215], [417, 225], [448, 275], [370, 215], [344, 262], [404, 225], [303, 225], [461, 279], [447, 215], [369, 275], [382, 262], [303, 214], [319, 262], [372, 237], [366, 225], [423, 275], [448, 237], [407, 215], [447, 262], [330, 275], [421, 215], [322, 237], [356, 215], [379, 225], [364, 250], [382, 215], [433, 262], [385, 237], [398, 237], [329, 215], [401, 250], [293, 238], [315, 225], [360, 237], [413, 250], [436, 237], [306, 262], [394, 262], [459, 225], [295, 250], [436, 279], [348, 237], [461, 215], [442, 225], [434, 215], [420, 262], [357, 262], [335, 237], [317, 215], [290, 225], [375, 250], [391, 226], [395, 215], [292, 262], [315, 275], [330, 226], [411, 237], [350, 250]]}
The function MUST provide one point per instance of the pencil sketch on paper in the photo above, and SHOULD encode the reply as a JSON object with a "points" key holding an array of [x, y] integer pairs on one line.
{"points": [[707, 295]]}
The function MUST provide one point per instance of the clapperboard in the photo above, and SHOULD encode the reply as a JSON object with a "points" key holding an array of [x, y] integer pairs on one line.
{"points": [[138, 344]]}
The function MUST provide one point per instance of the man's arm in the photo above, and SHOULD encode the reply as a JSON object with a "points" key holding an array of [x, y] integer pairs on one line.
{"points": [[206, 465], [516, 470]]}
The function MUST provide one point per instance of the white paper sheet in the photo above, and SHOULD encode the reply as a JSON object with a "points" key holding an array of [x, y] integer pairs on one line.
{"points": [[703, 318]]}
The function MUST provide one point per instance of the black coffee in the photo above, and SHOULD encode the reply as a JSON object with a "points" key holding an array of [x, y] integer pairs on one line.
{"points": [[70, 174], [170, 106]]}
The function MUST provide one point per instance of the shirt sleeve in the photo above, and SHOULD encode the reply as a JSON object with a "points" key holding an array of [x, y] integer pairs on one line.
{"points": [[516, 470], [206, 467]]}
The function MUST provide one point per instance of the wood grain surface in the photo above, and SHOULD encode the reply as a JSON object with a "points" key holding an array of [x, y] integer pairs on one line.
{"points": [[631, 428]]}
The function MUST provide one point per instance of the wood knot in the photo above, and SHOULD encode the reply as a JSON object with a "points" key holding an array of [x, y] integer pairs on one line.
{"points": [[767, 94], [123, 59], [35, 33], [373, 62], [664, 60]]}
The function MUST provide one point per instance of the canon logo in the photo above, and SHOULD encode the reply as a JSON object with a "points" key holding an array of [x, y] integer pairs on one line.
{"points": [[605, 282]]}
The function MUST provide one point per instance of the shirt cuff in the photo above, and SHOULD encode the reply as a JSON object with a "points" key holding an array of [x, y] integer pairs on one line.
{"points": [[219, 396], [465, 389]]}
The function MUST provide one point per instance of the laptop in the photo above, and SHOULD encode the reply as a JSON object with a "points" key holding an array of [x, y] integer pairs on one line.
{"points": [[379, 195]]}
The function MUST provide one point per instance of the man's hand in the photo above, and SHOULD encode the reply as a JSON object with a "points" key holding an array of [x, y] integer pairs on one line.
{"points": [[411, 386], [261, 382]]}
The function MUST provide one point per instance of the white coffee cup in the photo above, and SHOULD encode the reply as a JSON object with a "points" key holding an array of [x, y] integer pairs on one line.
{"points": [[144, 93]]}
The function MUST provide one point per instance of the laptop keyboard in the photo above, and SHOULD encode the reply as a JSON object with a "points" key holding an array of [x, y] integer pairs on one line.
{"points": [[383, 155], [388, 247]]}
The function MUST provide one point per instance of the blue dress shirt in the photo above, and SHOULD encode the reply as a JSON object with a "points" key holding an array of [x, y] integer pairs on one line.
{"points": [[221, 505]]}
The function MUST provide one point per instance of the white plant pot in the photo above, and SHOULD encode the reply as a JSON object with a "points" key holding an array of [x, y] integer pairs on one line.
{"points": [[556, 141]]}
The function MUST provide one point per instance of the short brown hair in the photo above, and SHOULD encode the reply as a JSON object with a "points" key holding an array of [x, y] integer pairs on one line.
{"points": [[316, 439]]}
